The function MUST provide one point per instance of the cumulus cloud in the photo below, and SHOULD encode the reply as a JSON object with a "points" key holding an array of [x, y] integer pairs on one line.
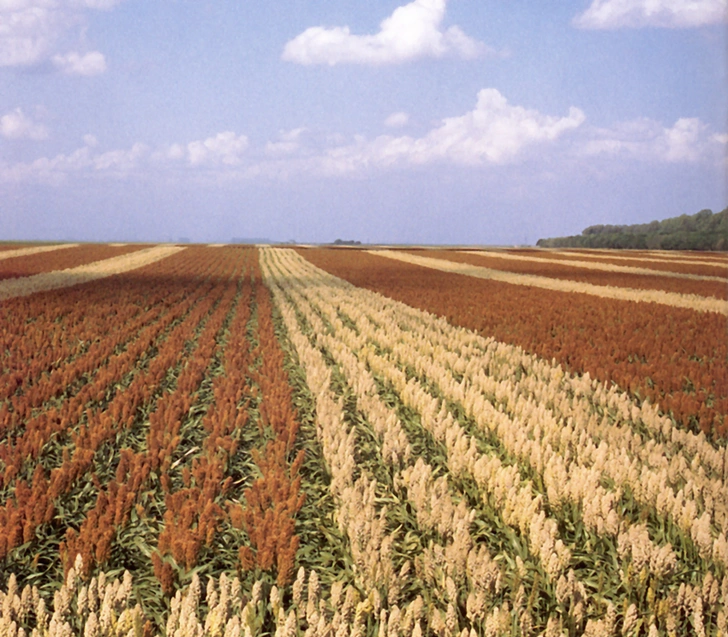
{"points": [[413, 31], [217, 154], [288, 142], [225, 148], [31, 32], [82, 161], [17, 125], [616, 14], [687, 140], [73, 63], [396, 120], [121, 162], [494, 132], [26, 33]]}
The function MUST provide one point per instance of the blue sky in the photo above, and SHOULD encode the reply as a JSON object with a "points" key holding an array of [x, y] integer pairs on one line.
{"points": [[434, 121]]}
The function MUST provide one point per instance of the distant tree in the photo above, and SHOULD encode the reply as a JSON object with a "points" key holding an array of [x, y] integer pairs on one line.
{"points": [[702, 231]]}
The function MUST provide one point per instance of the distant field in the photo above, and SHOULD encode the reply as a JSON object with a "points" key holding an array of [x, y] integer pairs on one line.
{"points": [[236, 440]]}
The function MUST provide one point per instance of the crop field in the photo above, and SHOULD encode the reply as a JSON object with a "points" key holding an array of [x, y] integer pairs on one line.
{"points": [[242, 441]]}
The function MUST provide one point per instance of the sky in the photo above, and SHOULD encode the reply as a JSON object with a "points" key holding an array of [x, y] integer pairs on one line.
{"points": [[434, 121]]}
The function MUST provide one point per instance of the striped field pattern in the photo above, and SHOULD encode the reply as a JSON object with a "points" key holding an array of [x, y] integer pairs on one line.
{"points": [[232, 440]]}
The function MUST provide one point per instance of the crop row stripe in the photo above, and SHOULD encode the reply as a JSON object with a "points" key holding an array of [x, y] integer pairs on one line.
{"points": [[34, 505], [698, 303], [611, 254], [460, 558], [441, 426], [21, 252], [123, 333], [83, 273], [608, 267], [635, 546], [634, 542], [659, 476], [192, 513], [430, 497], [38, 429], [504, 488], [116, 499], [678, 488], [467, 352], [675, 467], [358, 515], [274, 499], [563, 480]]}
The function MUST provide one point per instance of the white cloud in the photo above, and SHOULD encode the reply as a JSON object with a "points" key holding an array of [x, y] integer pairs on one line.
{"points": [[616, 14], [115, 163], [175, 152], [96, 4], [121, 162], [225, 148], [683, 141], [288, 142], [687, 140], [31, 32], [27, 32], [17, 125], [396, 120], [413, 31], [73, 63], [220, 155], [494, 132]]}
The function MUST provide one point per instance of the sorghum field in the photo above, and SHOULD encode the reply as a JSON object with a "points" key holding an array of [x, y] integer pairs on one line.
{"points": [[234, 441]]}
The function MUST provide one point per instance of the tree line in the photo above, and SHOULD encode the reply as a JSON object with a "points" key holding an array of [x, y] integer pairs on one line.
{"points": [[704, 230]]}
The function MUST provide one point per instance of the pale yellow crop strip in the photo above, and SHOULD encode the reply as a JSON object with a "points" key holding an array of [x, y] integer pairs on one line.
{"points": [[21, 252], [521, 509], [689, 301], [577, 484], [395, 448], [607, 267], [460, 555], [463, 560], [635, 545], [565, 479], [685, 462], [107, 606], [89, 272], [684, 456], [651, 487], [705, 257], [676, 258], [467, 353], [534, 401], [357, 514], [665, 479]]}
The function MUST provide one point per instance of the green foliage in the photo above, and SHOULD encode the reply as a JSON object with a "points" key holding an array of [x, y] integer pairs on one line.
{"points": [[704, 230]]}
